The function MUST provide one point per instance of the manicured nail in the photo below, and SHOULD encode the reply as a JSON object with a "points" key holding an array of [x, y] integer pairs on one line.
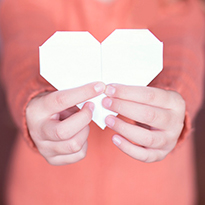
{"points": [[99, 87], [116, 140], [110, 90], [110, 122], [107, 102], [91, 106]]}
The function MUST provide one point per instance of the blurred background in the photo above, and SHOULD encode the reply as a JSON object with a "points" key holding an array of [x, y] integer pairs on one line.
{"points": [[7, 138], [8, 133]]}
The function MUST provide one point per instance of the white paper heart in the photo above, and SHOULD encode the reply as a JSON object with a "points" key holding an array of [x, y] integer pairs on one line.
{"points": [[70, 59]]}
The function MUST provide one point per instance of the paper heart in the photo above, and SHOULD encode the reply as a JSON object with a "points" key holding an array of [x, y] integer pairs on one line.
{"points": [[70, 59]]}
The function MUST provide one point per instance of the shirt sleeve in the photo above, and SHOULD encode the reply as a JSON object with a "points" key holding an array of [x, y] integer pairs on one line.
{"points": [[182, 32], [24, 28]]}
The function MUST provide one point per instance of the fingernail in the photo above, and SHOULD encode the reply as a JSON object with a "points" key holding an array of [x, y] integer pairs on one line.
{"points": [[107, 102], [99, 87], [91, 106], [55, 116], [110, 122], [110, 90], [116, 140]]}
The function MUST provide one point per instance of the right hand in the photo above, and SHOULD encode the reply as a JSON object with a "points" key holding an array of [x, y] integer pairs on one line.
{"points": [[57, 127]]}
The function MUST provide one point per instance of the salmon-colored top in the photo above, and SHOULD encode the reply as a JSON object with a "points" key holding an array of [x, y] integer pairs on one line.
{"points": [[106, 176]]}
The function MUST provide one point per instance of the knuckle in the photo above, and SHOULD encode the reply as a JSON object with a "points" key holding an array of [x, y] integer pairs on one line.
{"points": [[74, 146], [150, 115], [55, 150], [82, 154], [154, 156], [151, 158], [62, 134], [180, 127], [167, 118], [161, 155], [154, 141], [44, 150], [179, 101], [161, 158], [51, 161], [34, 135], [178, 124], [31, 114], [150, 96], [145, 158], [162, 142], [59, 133], [61, 99], [182, 104], [30, 110], [148, 141], [173, 135], [59, 149]]}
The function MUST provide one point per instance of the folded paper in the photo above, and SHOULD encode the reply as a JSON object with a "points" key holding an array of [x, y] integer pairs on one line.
{"points": [[70, 59]]}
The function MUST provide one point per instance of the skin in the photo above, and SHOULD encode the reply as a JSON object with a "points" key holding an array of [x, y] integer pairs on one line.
{"points": [[159, 115], [60, 130]]}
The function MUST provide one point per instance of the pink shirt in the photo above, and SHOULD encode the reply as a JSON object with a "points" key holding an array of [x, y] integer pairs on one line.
{"points": [[106, 176]]}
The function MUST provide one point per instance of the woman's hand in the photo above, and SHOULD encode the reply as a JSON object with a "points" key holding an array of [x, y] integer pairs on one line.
{"points": [[158, 115], [57, 128]]}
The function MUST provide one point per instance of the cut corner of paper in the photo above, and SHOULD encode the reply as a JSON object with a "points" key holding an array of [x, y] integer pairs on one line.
{"points": [[68, 58]]}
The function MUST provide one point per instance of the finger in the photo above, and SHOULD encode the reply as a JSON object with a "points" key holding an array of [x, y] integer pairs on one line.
{"points": [[147, 138], [60, 100], [146, 95], [137, 152], [73, 145], [68, 112], [63, 130], [149, 115], [70, 158]]}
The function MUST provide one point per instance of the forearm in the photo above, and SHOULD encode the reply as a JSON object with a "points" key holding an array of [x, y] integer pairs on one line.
{"points": [[183, 37], [24, 28]]}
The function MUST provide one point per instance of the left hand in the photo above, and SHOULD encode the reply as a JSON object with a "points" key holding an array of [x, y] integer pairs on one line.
{"points": [[159, 115]]}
